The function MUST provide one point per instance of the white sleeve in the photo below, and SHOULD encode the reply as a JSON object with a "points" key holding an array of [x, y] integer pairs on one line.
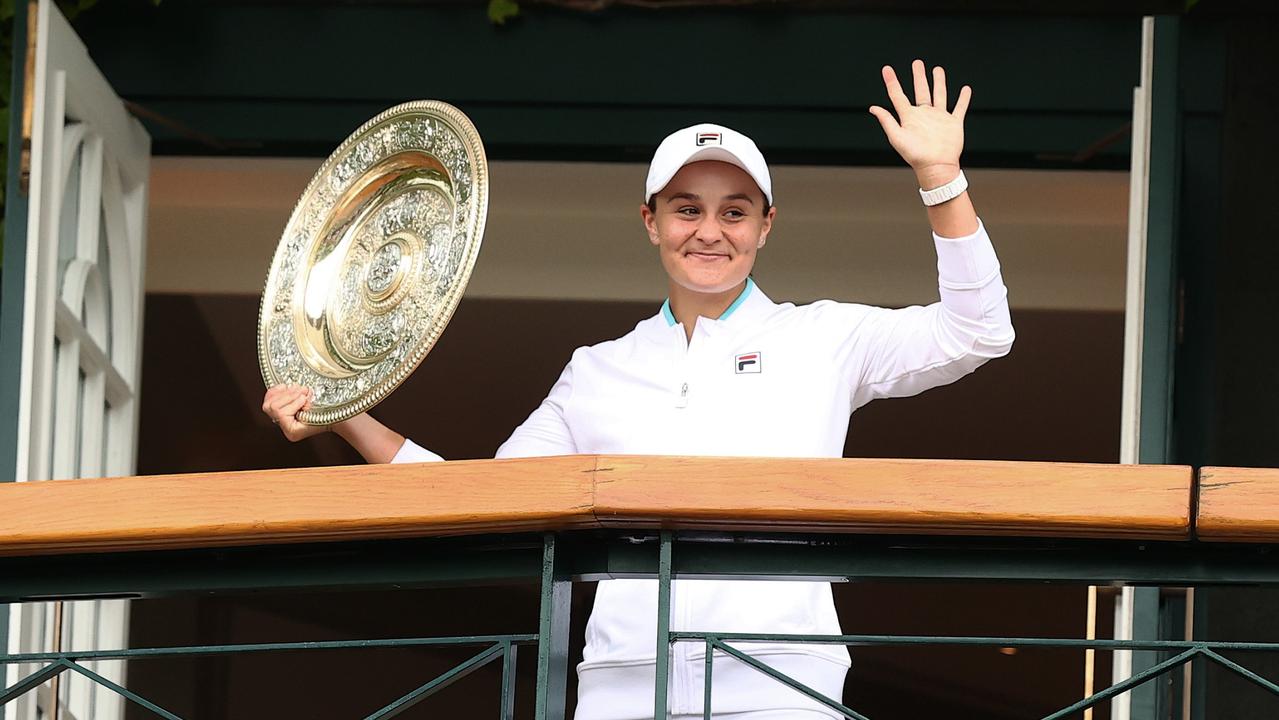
{"points": [[895, 353], [546, 431], [411, 452]]}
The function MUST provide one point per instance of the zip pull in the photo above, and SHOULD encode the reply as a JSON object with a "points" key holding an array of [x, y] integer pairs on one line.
{"points": [[682, 401]]}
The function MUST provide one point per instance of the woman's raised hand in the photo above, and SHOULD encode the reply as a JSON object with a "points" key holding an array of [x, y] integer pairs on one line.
{"points": [[283, 403], [927, 136]]}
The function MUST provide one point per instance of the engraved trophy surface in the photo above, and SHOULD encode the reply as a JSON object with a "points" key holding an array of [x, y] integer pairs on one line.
{"points": [[374, 259]]}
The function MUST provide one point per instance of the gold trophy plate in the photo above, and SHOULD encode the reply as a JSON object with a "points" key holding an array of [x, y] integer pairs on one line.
{"points": [[374, 259]]}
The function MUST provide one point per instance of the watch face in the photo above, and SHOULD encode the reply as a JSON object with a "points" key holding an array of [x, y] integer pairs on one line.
{"points": [[374, 259]]}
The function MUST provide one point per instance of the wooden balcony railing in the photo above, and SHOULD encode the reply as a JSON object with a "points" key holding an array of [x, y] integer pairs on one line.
{"points": [[598, 516], [930, 497]]}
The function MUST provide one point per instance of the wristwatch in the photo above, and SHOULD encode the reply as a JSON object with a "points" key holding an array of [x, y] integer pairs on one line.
{"points": [[949, 191]]}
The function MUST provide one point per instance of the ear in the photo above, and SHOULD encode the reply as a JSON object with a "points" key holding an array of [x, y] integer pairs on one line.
{"points": [[650, 224], [767, 227]]}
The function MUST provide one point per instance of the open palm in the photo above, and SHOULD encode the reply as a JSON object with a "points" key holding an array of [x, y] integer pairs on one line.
{"points": [[927, 136]]}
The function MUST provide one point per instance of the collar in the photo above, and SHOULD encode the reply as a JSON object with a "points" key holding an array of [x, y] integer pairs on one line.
{"points": [[749, 305]]}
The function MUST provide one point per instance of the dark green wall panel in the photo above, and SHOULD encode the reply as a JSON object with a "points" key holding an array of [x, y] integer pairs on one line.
{"points": [[295, 80]]}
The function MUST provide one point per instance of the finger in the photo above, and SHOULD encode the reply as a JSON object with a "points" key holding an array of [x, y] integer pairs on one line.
{"points": [[961, 105], [922, 96], [886, 121], [939, 87], [287, 393], [290, 409], [274, 396], [285, 398], [896, 95], [271, 393]]}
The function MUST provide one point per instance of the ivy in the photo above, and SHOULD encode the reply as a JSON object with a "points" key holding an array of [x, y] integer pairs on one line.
{"points": [[502, 10]]}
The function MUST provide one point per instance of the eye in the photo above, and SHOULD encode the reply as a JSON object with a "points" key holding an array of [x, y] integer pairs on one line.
{"points": [[687, 211], [734, 214]]}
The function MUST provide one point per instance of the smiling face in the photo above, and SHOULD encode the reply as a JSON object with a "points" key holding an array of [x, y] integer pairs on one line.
{"points": [[707, 224]]}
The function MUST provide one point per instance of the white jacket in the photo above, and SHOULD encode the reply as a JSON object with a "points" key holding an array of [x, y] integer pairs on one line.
{"points": [[765, 380]]}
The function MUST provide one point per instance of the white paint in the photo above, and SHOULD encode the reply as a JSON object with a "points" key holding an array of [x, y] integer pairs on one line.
{"points": [[1134, 317], [81, 327]]}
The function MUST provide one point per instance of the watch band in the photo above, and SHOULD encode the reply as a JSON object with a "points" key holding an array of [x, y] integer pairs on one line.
{"points": [[949, 191]]}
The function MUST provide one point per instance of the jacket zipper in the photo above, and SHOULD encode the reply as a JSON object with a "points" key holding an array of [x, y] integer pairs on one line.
{"points": [[680, 681]]}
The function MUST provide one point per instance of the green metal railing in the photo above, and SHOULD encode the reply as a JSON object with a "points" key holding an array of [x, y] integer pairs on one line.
{"points": [[1189, 651], [559, 559], [495, 647]]}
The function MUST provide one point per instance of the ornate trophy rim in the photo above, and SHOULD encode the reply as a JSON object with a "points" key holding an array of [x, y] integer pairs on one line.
{"points": [[470, 215]]}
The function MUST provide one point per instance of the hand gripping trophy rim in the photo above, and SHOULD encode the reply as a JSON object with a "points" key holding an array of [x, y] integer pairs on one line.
{"points": [[374, 259]]}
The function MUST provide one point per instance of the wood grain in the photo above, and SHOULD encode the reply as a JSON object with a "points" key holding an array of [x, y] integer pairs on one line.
{"points": [[1238, 504], [587, 491], [303, 505], [897, 496]]}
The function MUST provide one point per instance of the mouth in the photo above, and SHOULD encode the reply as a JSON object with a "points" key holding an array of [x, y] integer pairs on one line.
{"points": [[706, 256]]}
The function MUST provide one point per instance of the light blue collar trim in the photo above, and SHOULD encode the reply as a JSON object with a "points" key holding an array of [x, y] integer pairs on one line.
{"points": [[750, 285], [666, 313]]}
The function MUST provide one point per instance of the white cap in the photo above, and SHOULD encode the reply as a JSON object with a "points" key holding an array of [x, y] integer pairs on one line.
{"points": [[706, 142]]}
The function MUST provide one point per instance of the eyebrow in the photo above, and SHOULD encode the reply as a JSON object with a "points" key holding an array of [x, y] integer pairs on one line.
{"points": [[695, 197]]}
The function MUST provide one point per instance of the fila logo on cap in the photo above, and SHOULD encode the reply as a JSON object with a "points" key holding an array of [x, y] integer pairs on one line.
{"points": [[748, 363], [709, 138]]}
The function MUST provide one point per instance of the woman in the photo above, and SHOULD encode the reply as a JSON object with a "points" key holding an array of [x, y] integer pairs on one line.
{"points": [[723, 370]]}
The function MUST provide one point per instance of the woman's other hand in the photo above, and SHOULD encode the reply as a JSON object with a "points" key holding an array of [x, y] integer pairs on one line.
{"points": [[283, 403], [929, 137]]}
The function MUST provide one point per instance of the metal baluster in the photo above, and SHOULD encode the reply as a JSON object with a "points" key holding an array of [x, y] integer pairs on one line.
{"points": [[660, 688], [706, 679], [508, 680], [553, 630]]}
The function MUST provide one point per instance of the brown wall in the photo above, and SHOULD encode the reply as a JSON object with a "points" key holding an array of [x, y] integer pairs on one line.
{"points": [[1055, 397]]}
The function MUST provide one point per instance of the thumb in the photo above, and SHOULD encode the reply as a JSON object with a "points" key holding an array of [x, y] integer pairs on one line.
{"points": [[886, 121]]}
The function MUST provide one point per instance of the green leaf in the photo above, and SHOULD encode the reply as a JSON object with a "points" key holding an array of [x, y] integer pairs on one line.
{"points": [[502, 10]]}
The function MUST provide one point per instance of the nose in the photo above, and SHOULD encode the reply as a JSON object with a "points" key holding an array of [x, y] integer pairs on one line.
{"points": [[709, 230]]}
